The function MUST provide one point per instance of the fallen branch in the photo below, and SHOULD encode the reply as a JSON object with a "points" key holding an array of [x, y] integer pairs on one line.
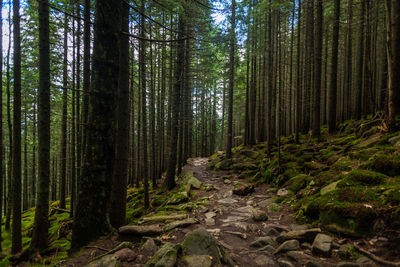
{"points": [[99, 248], [375, 258]]}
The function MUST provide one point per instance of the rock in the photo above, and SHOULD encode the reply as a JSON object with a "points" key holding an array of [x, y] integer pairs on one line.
{"points": [[301, 235], [282, 192], [197, 261], [227, 181], [178, 198], [259, 216], [344, 252], [180, 224], [142, 230], [230, 219], [210, 221], [165, 256], [163, 218], [106, 261], [322, 245], [200, 242], [263, 241], [264, 260], [298, 227], [298, 256], [126, 255], [243, 189], [348, 264], [149, 246], [314, 263], [278, 227], [253, 228], [329, 188], [288, 246], [194, 182], [210, 215], [272, 232], [285, 263], [265, 203], [227, 201]]}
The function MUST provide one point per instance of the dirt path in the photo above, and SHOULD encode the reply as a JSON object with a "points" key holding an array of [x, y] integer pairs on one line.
{"points": [[230, 219]]}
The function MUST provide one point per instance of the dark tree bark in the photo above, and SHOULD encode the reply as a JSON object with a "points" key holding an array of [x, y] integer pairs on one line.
{"points": [[317, 70], [86, 73], [334, 68], [360, 61], [40, 229], [231, 80], [169, 182], [64, 118], [94, 186], [16, 215], [2, 176], [119, 186], [298, 81]]}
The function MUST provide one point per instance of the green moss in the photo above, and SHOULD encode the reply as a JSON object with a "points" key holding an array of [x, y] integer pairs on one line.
{"points": [[362, 177], [343, 164], [388, 164], [327, 177], [392, 197], [297, 183]]}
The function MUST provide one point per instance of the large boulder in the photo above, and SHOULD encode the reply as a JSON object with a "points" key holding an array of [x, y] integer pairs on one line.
{"points": [[165, 256], [197, 261], [106, 261], [200, 242]]}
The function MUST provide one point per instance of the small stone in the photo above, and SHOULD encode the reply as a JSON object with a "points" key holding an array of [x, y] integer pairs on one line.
{"points": [[264, 260], [302, 235], [210, 221], [285, 263], [263, 241], [149, 246], [288, 246], [322, 245], [197, 260], [259, 216], [227, 181], [282, 192], [253, 228], [266, 203], [126, 254], [243, 189], [233, 219], [298, 256], [298, 227], [210, 215], [227, 201]]}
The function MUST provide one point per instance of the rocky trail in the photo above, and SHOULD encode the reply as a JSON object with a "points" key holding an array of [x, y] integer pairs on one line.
{"points": [[240, 225]]}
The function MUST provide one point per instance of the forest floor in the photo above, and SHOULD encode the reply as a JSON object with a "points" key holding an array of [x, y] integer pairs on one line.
{"points": [[245, 225]]}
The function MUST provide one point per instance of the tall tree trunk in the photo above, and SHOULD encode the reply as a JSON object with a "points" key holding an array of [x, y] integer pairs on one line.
{"points": [[360, 61], [231, 80], [64, 118], [16, 218], [94, 186], [169, 182], [119, 186], [86, 74], [298, 81], [317, 70], [40, 229], [334, 68], [2, 176]]}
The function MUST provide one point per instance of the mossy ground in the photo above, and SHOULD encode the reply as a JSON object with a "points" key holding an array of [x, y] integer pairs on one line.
{"points": [[365, 161], [162, 203]]}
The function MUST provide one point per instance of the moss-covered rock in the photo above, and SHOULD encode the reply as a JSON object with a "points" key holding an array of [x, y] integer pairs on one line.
{"points": [[388, 164], [363, 177], [166, 256], [200, 242], [297, 183]]}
